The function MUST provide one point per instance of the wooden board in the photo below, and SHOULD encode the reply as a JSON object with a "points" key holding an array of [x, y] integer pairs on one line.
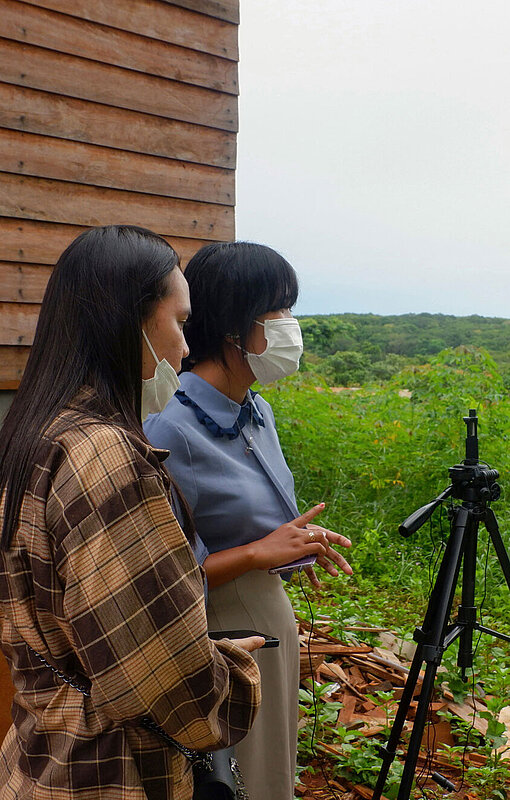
{"points": [[159, 20], [65, 34], [23, 283], [7, 694], [79, 120], [18, 322], [223, 9], [42, 156], [12, 363], [34, 242], [110, 112], [27, 65], [59, 201]]}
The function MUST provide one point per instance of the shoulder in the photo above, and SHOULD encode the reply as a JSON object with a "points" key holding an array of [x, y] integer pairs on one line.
{"points": [[95, 460], [264, 407], [171, 427]]}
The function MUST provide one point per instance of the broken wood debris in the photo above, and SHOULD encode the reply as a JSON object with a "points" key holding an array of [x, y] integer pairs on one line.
{"points": [[357, 673]]}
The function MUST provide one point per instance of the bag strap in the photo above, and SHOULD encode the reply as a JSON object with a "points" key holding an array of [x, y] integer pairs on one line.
{"points": [[202, 761], [84, 688]]}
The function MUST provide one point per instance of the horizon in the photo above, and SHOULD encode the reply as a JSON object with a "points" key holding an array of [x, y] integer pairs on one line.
{"points": [[403, 314]]}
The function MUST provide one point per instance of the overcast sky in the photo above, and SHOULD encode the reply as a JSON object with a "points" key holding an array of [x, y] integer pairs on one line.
{"points": [[374, 151]]}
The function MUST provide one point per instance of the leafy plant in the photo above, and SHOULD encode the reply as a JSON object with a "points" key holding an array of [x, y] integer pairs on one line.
{"points": [[319, 718], [491, 780]]}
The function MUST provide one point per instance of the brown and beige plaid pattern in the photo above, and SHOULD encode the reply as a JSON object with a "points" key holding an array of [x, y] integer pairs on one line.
{"points": [[101, 581]]}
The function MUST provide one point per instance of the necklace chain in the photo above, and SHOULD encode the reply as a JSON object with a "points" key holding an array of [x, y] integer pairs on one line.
{"points": [[248, 439], [249, 448]]}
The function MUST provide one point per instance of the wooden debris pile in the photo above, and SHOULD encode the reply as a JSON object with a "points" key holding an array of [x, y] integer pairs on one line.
{"points": [[357, 671]]}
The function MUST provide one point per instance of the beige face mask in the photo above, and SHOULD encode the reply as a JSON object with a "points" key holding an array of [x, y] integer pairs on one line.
{"points": [[283, 351], [158, 390]]}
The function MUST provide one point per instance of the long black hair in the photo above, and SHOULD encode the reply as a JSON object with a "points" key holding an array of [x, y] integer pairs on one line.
{"points": [[105, 284], [230, 284]]}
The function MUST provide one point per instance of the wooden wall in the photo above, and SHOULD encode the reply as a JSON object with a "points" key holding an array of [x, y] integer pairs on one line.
{"points": [[111, 111]]}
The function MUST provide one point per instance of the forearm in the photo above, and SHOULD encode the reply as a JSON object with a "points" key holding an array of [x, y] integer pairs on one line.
{"points": [[138, 622], [225, 565]]}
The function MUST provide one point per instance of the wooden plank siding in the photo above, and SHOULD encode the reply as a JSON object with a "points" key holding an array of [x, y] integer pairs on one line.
{"points": [[110, 112], [31, 242], [27, 65], [61, 201], [165, 21], [23, 283], [28, 154], [65, 34], [76, 120]]}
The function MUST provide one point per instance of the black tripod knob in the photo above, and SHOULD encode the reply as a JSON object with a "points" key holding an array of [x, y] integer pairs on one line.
{"points": [[495, 491]]}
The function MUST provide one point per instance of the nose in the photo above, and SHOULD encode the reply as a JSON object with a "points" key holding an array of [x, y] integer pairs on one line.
{"points": [[185, 348]]}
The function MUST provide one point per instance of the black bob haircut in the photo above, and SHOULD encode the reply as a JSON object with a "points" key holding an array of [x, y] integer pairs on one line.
{"points": [[231, 284]]}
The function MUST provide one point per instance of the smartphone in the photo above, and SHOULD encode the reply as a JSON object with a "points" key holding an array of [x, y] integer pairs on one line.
{"points": [[299, 564], [271, 641]]}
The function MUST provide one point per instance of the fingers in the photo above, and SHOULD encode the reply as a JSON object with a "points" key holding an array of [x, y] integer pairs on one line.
{"points": [[301, 521], [335, 559], [337, 538], [312, 577], [340, 561], [331, 536], [328, 567], [319, 542], [250, 644], [315, 548]]}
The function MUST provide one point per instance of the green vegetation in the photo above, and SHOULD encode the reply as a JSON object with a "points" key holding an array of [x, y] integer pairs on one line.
{"points": [[374, 455], [349, 349]]}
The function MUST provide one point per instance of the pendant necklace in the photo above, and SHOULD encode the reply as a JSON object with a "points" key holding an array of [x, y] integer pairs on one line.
{"points": [[249, 448], [248, 439]]}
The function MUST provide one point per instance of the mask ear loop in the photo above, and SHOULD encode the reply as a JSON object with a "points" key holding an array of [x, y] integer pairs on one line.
{"points": [[156, 359]]}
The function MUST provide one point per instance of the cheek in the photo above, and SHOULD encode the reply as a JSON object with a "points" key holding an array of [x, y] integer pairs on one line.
{"points": [[259, 341]]}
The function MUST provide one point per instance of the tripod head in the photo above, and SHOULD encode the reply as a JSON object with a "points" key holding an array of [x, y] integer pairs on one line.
{"points": [[471, 481]]}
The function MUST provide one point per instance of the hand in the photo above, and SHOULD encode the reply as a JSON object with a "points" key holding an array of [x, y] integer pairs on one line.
{"points": [[289, 542], [331, 559], [250, 644]]}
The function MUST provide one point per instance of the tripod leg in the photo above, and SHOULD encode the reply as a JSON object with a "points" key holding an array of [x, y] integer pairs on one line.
{"points": [[467, 610], [430, 639], [430, 649], [389, 751], [492, 526], [413, 750]]}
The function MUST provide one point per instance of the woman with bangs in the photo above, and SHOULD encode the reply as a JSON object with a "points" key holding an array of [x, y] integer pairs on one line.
{"points": [[226, 457]]}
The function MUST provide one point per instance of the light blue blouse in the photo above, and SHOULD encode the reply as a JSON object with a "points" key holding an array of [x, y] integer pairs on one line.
{"points": [[236, 497]]}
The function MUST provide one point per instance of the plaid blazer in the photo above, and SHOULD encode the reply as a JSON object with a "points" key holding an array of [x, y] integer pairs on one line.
{"points": [[101, 582]]}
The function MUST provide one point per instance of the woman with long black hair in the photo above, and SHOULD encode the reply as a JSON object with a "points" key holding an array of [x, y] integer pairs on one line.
{"points": [[225, 453], [101, 600]]}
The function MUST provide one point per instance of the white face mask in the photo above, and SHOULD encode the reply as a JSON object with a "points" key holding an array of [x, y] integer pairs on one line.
{"points": [[283, 351], [157, 391]]}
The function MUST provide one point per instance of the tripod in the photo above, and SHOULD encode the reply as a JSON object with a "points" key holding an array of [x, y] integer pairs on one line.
{"points": [[475, 485]]}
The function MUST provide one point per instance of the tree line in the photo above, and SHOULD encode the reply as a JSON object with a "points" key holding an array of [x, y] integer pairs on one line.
{"points": [[349, 349]]}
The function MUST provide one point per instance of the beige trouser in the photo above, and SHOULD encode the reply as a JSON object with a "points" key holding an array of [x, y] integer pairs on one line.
{"points": [[267, 756]]}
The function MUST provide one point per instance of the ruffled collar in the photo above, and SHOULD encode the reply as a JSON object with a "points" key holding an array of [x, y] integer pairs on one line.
{"points": [[242, 414]]}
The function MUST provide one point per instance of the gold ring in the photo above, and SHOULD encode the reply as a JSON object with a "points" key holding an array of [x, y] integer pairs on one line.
{"points": [[311, 534]]}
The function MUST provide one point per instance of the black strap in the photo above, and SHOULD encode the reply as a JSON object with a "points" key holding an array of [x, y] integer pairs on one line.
{"points": [[201, 761]]}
